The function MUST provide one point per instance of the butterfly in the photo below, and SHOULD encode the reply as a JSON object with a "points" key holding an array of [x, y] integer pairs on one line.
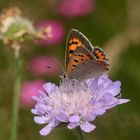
{"points": [[83, 60]]}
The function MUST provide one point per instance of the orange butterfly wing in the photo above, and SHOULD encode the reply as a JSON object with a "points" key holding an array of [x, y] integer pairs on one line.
{"points": [[99, 54], [75, 39], [83, 61]]}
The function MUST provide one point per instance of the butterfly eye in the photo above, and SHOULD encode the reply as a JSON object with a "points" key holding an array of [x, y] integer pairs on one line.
{"points": [[65, 75]]}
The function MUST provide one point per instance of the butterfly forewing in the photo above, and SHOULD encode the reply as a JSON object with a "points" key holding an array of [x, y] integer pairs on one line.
{"points": [[76, 39]]}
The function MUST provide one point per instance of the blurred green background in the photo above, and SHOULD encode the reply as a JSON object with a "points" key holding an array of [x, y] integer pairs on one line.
{"points": [[113, 25]]}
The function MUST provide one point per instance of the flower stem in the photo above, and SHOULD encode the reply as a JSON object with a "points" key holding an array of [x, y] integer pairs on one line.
{"points": [[15, 109], [79, 134]]}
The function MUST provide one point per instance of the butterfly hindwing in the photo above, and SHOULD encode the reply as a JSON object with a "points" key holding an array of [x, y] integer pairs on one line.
{"points": [[83, 65], [76, 39], [99, 54]]}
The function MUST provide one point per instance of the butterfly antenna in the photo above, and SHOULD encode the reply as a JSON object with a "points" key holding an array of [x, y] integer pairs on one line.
{"points": [[59, 64]]}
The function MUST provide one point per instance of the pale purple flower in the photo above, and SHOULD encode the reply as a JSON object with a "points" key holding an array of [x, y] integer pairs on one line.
{"points": [[43, 65], [74, 8], [76, 103], [29, 89], [49, 32]]}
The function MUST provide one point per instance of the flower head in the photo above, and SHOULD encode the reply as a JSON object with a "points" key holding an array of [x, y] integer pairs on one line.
{"points": [[76, 103], [29, 89], [38, 66], [74, 8], [14, 28], [49, 32]]}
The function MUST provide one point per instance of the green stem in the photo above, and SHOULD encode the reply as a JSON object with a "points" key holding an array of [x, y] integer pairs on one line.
{"points": [[15, 109], [79, 134]]}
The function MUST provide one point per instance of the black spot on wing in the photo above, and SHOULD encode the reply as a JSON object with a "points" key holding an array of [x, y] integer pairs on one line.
{"points": [[71, 51], [73, 42], [76, 60], [74, 65]]}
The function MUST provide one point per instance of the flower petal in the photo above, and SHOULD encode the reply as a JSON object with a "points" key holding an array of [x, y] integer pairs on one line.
{"points": [[41, 119], [89, 116], [115, 88], [72, 125], [93, 84], [44, 95], [87, 127], [41, 108], [62, 117], [74, 118], [100, 111], [50, 88], [47, 129], [37, 99], [92, 101], [105, 99], [34, 111], [122, 101], [102, 79]]}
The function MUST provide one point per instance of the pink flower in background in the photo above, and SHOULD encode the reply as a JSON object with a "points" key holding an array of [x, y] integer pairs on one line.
{"points": [[74, 8], [43, 65], [49, 32], [29, 89]]}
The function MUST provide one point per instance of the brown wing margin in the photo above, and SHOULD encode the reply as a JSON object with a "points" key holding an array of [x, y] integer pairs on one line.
{"points": [[76, 39]]}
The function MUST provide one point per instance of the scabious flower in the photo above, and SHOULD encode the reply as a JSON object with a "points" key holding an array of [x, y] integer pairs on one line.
{"points": [[49, 32], [39, 66], [76, 103], [29, 89], [74, 8]]}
